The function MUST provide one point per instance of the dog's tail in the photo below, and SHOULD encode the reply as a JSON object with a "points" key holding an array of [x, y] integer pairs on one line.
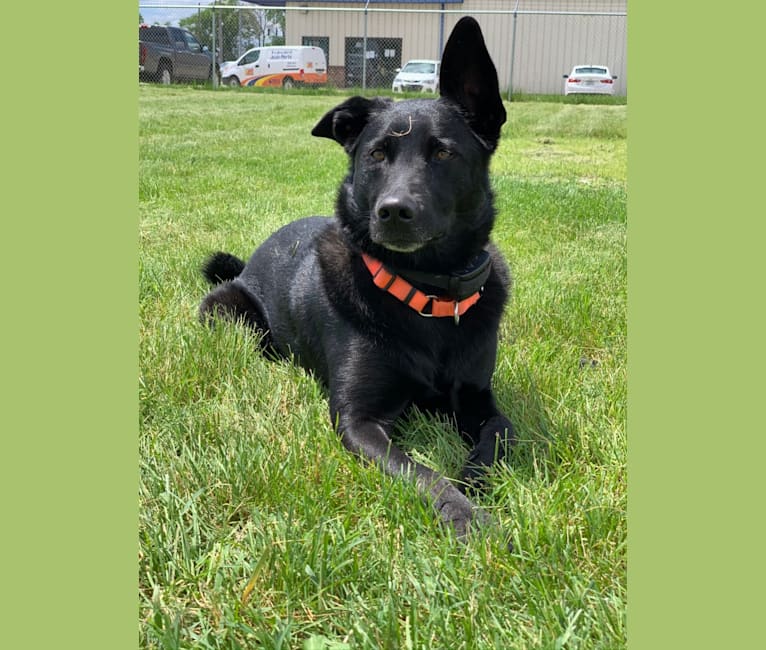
{"points": [[221, 267]]}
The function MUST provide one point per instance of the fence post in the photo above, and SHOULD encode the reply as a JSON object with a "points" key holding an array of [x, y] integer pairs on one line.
{"points": [[441, 33], [214, 80], [513, 51], [364, 48]]}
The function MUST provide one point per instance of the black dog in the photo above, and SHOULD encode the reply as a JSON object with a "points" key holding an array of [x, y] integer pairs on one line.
{"points": [[398, 300]]}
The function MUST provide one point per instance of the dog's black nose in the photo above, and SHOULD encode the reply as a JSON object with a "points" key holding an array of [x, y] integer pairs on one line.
{"points": [[396, 208]]}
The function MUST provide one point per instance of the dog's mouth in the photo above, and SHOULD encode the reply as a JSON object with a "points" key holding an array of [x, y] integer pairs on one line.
{"points": [[402, 247], [406, 245]]}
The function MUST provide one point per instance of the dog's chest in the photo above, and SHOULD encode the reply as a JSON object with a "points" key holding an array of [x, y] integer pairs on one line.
{"points": [[438, 364]]}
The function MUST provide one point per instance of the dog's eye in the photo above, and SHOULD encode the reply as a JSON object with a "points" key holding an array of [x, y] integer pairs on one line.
{"points": [[378, 155], [443, 154]]}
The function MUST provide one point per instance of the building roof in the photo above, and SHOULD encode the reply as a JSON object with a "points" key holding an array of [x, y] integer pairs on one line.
{"points": [[377, 2]]}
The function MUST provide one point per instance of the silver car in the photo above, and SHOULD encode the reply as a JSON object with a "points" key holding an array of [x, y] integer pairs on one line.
{"points": [[589, 79], [418, 75]]}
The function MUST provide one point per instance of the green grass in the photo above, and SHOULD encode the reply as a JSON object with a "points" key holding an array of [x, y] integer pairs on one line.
{"points": [[331, 91], [257, 530]]}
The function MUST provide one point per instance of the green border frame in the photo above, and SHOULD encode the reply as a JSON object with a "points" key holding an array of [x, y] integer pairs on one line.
{"points": [[69, 458], [695, 504]]}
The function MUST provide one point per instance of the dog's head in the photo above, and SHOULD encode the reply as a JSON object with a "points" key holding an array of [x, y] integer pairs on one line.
{"points": [[418, 192]]}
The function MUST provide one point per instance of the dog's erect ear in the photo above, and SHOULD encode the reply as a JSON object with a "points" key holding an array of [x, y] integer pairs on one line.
{"points": [[469, 78], [345, 122]]}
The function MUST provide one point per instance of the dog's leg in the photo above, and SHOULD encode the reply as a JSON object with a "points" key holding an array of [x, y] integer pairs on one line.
{"points": [[488, 428], [496, 437], [229, 301], [370, 440]]}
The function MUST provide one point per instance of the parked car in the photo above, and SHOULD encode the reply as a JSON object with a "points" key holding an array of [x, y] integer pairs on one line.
{"points": [[283, 66], [417, 75], [589, 79], [169, 53]]}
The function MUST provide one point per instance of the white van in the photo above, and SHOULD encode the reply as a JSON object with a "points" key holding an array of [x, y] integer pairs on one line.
{"points": [[282, 66]]}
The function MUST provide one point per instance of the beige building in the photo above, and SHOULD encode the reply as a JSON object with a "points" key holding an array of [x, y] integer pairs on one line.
{"points": [[532, 48]]}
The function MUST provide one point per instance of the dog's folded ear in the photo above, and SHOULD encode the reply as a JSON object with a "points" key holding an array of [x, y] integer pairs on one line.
{"points": [[469, 78], [346, 121]]}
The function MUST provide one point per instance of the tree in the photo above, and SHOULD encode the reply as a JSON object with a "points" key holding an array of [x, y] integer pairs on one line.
{"points": [[236, 31], [277, 17]]}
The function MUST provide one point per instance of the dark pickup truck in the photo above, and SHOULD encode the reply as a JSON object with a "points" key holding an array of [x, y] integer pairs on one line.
{"points": [[166, 54]]}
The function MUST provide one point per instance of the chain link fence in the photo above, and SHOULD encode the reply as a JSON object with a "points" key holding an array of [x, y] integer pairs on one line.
{"points": [[534, 43]]}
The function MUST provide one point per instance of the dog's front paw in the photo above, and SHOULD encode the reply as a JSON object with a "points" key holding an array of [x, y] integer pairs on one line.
{"points": [[465, 517], [495, 442], [460, 514], [472, 477]]}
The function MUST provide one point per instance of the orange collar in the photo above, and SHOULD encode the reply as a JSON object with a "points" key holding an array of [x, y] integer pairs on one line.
{"points": [[398, 287]]}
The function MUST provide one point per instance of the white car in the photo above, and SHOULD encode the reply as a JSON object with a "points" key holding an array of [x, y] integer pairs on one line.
{"points": [[589, 79], [417, 75]]}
